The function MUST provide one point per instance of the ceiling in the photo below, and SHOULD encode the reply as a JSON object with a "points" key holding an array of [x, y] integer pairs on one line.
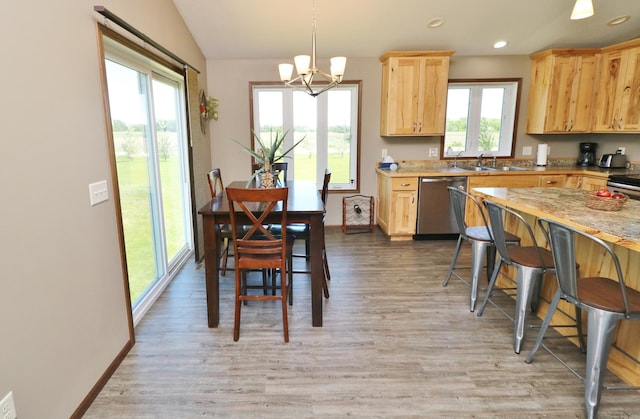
{"points": [[263, 29]]}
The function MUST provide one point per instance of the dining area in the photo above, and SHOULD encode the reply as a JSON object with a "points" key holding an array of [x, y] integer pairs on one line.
{"points": [[252, 216]]}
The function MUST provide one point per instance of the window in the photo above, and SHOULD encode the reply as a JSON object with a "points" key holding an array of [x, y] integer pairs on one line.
{"points": [[329, 123], [481, 118]]}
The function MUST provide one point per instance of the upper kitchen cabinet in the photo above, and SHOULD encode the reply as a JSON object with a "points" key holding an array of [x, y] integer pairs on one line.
{"points": [[414, 93], [617, 97], [561, 91]]}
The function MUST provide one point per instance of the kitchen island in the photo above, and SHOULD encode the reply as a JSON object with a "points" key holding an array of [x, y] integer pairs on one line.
{"points": [[620, 228]]}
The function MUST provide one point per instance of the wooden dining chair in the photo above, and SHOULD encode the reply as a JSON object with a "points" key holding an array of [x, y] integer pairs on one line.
{"points": [[257, 247], [302, 232], [216, 187], [281, 171]]}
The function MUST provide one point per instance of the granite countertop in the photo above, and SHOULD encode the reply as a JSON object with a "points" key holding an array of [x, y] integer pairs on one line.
{"points": [[441, 168], [568, 206]]}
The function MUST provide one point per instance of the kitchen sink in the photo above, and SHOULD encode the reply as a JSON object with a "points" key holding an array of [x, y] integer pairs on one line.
{"points": [[481, 168], [510, 168]]}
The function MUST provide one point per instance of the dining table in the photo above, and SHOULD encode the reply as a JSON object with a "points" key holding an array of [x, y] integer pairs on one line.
{"points": [[304, 206]]}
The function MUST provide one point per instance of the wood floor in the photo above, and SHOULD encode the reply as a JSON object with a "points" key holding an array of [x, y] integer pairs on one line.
{"points": [[395, 343]]}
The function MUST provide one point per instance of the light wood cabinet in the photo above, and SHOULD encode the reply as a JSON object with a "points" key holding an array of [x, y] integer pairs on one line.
{"points": [[586, 183], [414, 93], [472, 217], [561, 91], [617, 97], [397, 206], [548, 181]]}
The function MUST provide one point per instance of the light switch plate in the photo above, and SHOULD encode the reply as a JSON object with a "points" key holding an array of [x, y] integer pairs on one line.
{"points": [[526, 150], [98, 192]]}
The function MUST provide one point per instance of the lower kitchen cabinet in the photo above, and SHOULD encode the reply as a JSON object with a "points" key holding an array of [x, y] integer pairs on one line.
{"points": [[472, 217], [397, 206], [586, 183]]}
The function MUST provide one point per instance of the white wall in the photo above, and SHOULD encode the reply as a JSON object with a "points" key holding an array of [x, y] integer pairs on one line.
{"points": [[229, 81], [62, 301]]}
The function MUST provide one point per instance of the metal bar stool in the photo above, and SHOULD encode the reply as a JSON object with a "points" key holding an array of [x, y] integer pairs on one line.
{"points": [[531, 263], [606, 301], [481, 240]]}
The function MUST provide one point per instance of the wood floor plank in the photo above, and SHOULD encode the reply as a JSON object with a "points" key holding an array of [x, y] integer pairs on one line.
{"points": [[395, 343]]}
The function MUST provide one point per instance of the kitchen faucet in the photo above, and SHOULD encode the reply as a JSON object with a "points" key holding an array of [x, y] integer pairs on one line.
{"points": [[480, 160], [455, 159]]}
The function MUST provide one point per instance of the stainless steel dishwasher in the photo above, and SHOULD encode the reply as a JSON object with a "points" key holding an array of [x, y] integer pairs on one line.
{"points": [[435, 214]]}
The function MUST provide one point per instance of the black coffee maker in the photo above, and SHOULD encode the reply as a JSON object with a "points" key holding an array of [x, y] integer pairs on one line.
{"points": [[587, 154]]}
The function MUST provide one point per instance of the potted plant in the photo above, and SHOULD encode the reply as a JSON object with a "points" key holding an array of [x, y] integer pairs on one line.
{"points": [[267, 153]]}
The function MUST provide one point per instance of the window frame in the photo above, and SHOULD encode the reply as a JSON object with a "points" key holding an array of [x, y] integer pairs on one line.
{"points": [[509, 150], [321, 158]]}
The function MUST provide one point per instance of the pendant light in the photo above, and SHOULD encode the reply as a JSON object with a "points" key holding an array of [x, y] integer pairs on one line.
{"points": [[582, 9]]}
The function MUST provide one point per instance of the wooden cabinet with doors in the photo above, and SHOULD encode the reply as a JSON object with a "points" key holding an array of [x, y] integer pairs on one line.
{"points": [[586, 183], [494, 181], [414, 93], [617, 96], [397, 206], [561, 91]]}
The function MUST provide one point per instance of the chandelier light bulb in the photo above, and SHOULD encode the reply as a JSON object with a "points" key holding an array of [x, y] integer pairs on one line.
{"points": [[286, 70]]}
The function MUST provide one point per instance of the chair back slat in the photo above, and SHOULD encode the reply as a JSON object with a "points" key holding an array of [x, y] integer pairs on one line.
{"points": [[497, 214], [258, 243]]}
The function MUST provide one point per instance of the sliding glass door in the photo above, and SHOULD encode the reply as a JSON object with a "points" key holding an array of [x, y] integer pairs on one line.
{"points": [[147, 114]]}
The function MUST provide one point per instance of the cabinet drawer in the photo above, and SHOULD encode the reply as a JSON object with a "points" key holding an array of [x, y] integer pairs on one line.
{"points": [[404, 184], [552, 180]]}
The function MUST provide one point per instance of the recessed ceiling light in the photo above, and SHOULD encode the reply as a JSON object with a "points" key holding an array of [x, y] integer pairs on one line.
{"points": [[618, 20], [436, 22], [500, 44]]}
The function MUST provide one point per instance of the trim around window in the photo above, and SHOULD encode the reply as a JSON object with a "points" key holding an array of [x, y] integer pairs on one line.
{"points": [[488, 125]]}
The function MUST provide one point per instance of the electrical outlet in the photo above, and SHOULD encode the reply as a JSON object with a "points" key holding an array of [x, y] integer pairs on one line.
{"points": [[622, 150], [433, 152], [98, 192], [8, 407], [526, 150]]}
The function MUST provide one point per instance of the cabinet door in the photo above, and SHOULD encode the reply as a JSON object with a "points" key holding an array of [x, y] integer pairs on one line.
{"points": [[607, 102], [593, 184], [561, 93], [629, 93], [563, 85], [581, 98], [400, 96], [432, 96], [404, 212]]}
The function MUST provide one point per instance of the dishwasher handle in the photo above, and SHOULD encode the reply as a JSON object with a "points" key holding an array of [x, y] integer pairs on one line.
{"points": [[443, 179]]}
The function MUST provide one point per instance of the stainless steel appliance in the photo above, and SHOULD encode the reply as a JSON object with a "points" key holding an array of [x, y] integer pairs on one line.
{"points": [[435, 213], [587, 154], [626, 184], [613, 161]]}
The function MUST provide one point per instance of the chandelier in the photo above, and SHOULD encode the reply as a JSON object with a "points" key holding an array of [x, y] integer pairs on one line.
{"points": [[308, 72]]}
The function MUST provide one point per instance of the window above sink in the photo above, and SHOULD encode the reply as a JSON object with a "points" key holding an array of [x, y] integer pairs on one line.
{"points": [[480, 118]]}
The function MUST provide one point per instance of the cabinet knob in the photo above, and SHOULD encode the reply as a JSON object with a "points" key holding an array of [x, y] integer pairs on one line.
{"points": [[405, 184]]}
